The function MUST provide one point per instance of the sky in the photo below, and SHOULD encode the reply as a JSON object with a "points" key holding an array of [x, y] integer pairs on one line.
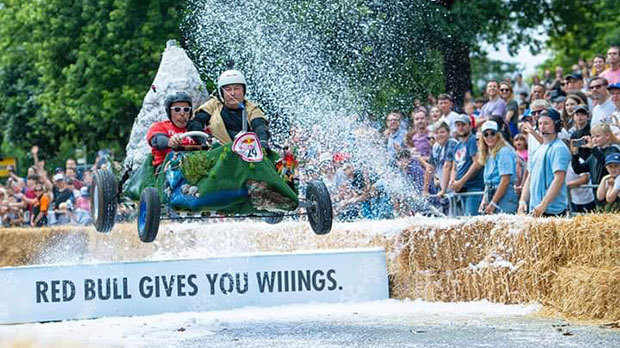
{"points": [[523, 57]]}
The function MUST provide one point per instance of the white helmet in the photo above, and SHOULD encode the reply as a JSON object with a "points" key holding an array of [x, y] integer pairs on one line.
{"points": [[230, 77]]}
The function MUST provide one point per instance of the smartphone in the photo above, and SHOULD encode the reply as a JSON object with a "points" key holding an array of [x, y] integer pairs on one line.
{"points": [[579, 142]]}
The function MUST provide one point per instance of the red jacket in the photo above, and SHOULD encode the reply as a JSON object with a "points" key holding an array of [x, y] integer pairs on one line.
{"points": [[169, 129]]}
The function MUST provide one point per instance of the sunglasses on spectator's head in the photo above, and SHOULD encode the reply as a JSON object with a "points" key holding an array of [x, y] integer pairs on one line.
{"points": [[489, 134], [179, 108]]}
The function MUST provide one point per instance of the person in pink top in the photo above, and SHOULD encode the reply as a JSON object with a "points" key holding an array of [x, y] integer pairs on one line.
{"points": [[612, 74], [83, 202]]}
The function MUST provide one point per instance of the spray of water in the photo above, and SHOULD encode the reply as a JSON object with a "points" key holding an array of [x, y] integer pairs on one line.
{"points": [[307, 80]]}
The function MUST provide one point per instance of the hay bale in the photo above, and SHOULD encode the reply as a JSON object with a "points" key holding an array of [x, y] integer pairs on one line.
{"points": [[587, 293], [507, 259]]}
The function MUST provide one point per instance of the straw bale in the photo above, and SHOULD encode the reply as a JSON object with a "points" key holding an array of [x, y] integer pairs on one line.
{"points": [[25, 246], [508, 259], [583, 292]]}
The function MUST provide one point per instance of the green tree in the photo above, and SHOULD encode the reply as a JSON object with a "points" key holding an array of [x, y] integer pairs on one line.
{"points": [[581, 29], [83, 68]]}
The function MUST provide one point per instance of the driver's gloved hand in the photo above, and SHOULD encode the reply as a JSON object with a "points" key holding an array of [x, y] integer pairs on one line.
{"points": [[194, 125], [265, 146]]}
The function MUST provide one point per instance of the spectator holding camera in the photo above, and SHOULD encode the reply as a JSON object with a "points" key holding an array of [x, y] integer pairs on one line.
{"points": [[499, 161], [581, 128], [600, 142]]}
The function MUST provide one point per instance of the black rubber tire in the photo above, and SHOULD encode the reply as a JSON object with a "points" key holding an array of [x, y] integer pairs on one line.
{"points": [[275, 219], [103, 200], [149, 211], [320, 213]]}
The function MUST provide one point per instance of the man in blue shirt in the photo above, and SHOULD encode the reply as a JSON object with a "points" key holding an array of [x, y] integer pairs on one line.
{"points": [[466, 174], [545, 187]]}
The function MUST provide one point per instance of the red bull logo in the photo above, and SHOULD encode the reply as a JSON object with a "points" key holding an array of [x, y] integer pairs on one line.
{"points": [[248, 147]]}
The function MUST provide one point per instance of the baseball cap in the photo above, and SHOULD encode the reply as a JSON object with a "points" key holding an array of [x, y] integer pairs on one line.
{"points": [[583, 108], [559, 99], [552, 113], [58, 177], [613, 86], [574, 76], [463, 119], [612, 158], [489, 125]]}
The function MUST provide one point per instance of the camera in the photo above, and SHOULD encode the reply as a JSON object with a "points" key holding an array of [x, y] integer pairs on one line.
{"points": [[579, 142]]}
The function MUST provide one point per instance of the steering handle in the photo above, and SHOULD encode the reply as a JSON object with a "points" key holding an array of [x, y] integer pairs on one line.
{"points": [[195, 134]]}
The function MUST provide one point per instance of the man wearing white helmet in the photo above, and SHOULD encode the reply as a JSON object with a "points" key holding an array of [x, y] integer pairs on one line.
{"points": [[223, 115]]}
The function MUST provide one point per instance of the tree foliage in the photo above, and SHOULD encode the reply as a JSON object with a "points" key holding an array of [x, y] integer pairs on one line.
{"points": [[582, 29], [75, 72]]}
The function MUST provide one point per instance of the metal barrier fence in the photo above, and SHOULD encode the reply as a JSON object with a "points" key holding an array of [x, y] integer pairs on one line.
{"points": [[454, 199]]}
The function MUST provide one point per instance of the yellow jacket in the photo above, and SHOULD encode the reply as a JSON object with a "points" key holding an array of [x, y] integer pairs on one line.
{"points": [[216, 124]]}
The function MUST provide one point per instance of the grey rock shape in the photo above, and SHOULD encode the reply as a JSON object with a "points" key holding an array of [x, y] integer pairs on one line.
{"points": [[176, 73]]}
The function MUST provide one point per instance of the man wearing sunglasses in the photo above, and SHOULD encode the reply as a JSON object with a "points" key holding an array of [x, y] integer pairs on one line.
{"points": [[223, 115], [165, 135], [604, 106]]}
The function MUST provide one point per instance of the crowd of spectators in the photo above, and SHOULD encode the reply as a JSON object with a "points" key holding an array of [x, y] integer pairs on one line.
{"points": [[517, 148], [547, 149], [45, 198]]}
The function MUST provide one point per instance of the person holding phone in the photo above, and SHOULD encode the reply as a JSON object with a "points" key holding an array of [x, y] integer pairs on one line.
{"points": [[600, 142], [581, 128]]}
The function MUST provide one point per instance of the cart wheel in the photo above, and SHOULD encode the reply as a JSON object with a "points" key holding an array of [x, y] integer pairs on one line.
{"points": [[275, 219], [148, 215], [320, 214], [103, 200]]}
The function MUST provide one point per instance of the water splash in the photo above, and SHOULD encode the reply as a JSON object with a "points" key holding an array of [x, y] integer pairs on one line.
{"points": [[319, 82]]}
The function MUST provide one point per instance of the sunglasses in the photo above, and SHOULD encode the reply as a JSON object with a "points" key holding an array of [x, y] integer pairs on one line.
{"points": [[184, 108], [504, 90], [537, 112], [489, 134], [597, 86]]}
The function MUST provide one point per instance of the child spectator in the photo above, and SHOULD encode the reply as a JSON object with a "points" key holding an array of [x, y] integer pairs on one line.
{"points": [[601, 144], [82, 207], [520, 142], [441, 160], [610, 184]]}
